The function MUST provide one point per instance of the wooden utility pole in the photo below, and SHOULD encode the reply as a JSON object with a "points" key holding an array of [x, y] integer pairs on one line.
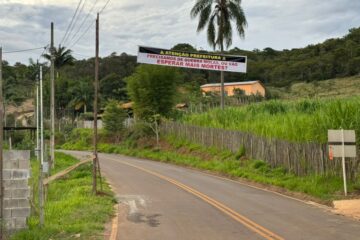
{"points": [[96, 86], [1, 150], [52, 98]]}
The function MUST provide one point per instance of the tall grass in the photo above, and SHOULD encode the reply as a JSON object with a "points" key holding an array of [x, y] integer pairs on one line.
{"points": [[299, 121]]}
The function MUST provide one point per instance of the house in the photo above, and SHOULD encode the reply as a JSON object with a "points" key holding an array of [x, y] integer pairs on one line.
{"points": [[250, 88]]}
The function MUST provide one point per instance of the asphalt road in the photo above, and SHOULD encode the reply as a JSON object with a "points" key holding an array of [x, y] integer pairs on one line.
{"points": [[166, 202]]}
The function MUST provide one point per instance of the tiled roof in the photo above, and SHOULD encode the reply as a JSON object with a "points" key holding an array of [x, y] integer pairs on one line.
{"points": [[230, 84]]}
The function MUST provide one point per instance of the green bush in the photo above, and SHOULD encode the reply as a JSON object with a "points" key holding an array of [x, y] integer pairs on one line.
{"points": [[153, 90], [114, 118]]}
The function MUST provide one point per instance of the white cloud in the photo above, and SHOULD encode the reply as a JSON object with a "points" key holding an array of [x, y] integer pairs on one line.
{"points": [[125, 24]]}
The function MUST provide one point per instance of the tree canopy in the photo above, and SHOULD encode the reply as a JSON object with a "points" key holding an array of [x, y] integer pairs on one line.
{"points": [[153, 90], [217, 17]]}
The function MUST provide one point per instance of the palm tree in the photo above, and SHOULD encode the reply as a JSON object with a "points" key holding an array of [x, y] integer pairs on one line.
{"points": [[217, 16], [81, 95], [62, 57]]}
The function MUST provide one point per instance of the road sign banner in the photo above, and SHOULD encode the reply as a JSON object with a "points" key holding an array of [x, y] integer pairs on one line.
{"points": [[205, 61], [342, 143], [342, 139], [336, 136], [336, 150]]}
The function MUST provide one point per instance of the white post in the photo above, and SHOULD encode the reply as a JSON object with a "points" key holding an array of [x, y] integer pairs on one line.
{"points": [[37, 122], [41, 119], [41, 195], [343, 161]]}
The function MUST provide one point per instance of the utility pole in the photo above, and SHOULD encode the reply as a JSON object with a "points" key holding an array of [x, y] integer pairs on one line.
{"points": [[52, 98], [41, 186], [96, 86], [1, 150]]}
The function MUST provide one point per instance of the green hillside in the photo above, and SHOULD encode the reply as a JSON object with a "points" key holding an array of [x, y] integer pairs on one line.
{"points": [[338, 87], [292, 73]]}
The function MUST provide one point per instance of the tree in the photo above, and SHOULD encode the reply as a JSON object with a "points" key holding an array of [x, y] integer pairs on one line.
{"points": [[184, 47], [114, 118], [82, 95], [62, 57], [218, 16], [113, 87], [153, 90]]}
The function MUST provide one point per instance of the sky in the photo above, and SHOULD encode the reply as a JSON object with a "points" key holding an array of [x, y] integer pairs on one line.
{"points": [[126, 24]]}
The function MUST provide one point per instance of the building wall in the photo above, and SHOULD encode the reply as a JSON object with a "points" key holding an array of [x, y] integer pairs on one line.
{"points": [[258, 88], [249, 89], [89, 124]]}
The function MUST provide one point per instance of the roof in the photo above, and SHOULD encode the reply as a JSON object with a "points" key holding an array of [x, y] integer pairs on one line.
{"points": [[128, 105], [181, 105], [231, 84]]}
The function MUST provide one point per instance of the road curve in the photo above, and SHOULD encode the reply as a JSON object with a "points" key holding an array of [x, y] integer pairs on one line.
{"points": [[164, 202]]}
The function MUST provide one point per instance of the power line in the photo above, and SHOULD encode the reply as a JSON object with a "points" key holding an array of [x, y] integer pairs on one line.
{"points": [[71, 22], [105, 6], [75, 21], [81, 55], [43, 52], [85, 19], [24, 50], [82, 35], [91, 24]]}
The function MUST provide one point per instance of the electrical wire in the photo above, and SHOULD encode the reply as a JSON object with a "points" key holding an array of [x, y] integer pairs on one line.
{"points": [[91, 24], [75, 21], [71, 22], [104, 6], [82, 35], [85, 19], [23, 50], [42, 54]]}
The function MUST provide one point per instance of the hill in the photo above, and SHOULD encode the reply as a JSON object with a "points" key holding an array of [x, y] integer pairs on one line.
{"points": [[290, 73], [338, 87]]}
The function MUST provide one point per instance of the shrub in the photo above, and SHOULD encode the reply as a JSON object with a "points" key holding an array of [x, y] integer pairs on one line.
{"points": [[153, 90], [114, 118], [241, 152]]}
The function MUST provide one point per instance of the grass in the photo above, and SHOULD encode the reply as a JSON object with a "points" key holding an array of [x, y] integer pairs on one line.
{"points": [[181, 152], [70, 208], [299, 121], [333, 88]]}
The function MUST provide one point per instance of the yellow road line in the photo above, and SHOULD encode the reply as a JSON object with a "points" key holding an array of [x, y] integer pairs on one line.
{"points": [[267, 234], [115, 221]]}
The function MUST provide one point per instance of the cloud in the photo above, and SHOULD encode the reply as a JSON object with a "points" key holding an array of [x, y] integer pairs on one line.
{"points": [[280, 24]]}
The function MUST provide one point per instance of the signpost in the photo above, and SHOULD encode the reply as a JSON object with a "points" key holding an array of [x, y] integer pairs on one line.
{"points": [[342, 143], [205, 61]]}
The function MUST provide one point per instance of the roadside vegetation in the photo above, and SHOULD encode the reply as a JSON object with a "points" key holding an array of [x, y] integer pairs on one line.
{"points": [[300, 121], [184, 153], [71, 210]]}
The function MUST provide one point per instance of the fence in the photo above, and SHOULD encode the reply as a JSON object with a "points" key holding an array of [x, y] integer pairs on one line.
{"points": [[214, 102], [298, 158]]}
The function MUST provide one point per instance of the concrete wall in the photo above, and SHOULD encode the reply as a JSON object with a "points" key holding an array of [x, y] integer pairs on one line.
{"points": [[16, 189], [89, 124]]}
